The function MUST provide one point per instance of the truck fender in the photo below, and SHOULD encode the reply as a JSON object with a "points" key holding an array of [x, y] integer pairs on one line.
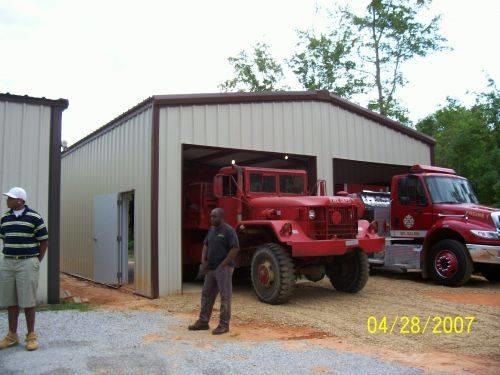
{"points": [[277, 227]]}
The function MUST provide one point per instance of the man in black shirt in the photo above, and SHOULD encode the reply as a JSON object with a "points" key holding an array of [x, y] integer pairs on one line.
{"points": [[220, 249]]}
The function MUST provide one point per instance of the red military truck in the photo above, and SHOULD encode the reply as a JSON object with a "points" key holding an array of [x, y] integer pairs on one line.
{"points": [[432, 221], [284, 231]]}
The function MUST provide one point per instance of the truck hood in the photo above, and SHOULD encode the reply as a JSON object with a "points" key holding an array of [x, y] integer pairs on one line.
{"points": [[473, 212], [299, 201]]}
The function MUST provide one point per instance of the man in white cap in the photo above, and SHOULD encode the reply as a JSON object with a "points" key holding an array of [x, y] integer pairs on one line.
{"points": [[25, 237]]}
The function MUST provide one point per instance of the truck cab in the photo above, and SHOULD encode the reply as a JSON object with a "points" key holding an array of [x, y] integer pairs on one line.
{"points": [[437, 224]]}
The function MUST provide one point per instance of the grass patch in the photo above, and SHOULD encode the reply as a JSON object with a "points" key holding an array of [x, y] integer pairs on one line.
{"points": [[66, 305]]}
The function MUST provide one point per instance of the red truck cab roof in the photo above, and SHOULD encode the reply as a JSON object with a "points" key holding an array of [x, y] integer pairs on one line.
{"points": [[420, 168]]}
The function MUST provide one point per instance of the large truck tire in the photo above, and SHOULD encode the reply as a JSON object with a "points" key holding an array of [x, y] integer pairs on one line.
{"points": [[491, 272], [349, 272], [273, 275], [449, 263]]}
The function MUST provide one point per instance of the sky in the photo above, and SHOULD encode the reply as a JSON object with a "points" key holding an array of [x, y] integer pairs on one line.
{"points": [[107, 56]]}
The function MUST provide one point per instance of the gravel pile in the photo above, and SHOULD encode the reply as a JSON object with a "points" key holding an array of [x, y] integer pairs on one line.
{"points": [[146, 342]]}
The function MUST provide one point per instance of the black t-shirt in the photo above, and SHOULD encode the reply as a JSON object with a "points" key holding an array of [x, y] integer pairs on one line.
{"points": [[220, 240]]}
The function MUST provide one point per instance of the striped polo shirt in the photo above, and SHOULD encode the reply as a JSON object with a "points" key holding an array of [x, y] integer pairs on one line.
{"points": [[22, 235]]}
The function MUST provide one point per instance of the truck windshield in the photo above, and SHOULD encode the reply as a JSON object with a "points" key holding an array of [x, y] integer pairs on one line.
{"points": [[291, 184], [450, 190], [260, 183]]}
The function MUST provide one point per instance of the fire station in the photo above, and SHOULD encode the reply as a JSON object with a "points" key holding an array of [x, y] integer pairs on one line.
{"points": [[122, 187]]}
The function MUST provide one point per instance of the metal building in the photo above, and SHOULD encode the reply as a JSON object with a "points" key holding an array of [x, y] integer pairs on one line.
{"points": [[140, 157], [30, 156]]}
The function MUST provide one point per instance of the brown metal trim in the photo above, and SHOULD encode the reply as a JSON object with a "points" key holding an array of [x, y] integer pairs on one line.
{"points": [[319, 95], [25, 99], [53, 254], [253, 97], [155, 160], [142, 295]]}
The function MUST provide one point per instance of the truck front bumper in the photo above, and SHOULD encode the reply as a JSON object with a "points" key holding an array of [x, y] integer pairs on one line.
{"points": [[484, 253], [316, 248]]}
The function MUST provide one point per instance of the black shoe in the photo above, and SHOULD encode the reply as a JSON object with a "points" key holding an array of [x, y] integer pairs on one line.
{"points": [[220, 330], [199, 326]]}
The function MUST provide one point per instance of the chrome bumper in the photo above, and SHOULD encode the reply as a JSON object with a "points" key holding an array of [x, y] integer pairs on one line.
{"points": [[484, 253]]}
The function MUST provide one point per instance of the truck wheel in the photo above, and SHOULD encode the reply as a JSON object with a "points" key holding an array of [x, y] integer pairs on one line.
{"points": [[349, 272], [491, 272], [449, 263], [273, 275]]}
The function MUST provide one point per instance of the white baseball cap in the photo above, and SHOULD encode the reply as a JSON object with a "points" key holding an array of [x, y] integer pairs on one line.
{"points": [[16, 193]]}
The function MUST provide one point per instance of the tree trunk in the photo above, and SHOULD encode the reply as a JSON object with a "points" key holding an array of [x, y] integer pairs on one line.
{"points": [[378, 79]]}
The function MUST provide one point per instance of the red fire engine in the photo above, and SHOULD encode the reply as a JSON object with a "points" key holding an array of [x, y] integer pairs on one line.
{"points": [[284, 231], [432, 221]]}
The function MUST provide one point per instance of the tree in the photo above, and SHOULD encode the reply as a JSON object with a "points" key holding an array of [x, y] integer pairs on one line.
{"points": [[392, 34], [325, 61], [360, 53], [255, 71], [468, 140]]}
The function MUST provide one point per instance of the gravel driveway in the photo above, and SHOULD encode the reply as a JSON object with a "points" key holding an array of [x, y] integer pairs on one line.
{"points": [[102, 341]]}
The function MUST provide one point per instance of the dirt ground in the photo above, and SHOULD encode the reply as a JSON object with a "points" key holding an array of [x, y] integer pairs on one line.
{"points": [[319, 315]]}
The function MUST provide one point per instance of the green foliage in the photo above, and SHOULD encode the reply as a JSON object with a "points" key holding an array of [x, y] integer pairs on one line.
{"points": [[359, 53], [326, 61], [390, 35], [66, 305], [468, 140], [257, 71]]}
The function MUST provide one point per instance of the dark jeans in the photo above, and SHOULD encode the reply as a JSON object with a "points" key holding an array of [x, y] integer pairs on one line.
{"points": [[217, 281]]}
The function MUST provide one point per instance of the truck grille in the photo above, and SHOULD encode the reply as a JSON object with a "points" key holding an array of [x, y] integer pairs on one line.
{"points": [[334, 222]]}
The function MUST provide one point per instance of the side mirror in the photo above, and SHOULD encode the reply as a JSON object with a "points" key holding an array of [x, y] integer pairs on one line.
{"points": [[218, 186]]}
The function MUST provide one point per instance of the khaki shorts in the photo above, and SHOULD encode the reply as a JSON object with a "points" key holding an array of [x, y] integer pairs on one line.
{"points": [[19, 282]]}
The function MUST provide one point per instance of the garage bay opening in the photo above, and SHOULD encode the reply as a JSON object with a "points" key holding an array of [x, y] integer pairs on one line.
{"points": [[201, 165]]}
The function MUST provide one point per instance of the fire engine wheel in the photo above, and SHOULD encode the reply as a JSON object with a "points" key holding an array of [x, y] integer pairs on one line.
{"points": [[273, 275], [349, 272], [449, 263]]}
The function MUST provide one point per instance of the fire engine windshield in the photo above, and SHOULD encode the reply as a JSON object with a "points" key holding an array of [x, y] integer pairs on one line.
{"points": [[450, 190], [260, 183], [291, 184]]}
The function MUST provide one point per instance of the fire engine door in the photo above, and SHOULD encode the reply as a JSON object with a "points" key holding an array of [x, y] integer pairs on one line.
{"points": [[411, 213]]}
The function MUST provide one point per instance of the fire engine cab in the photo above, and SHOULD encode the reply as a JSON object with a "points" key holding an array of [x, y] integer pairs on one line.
{"points": [[433, 222]]}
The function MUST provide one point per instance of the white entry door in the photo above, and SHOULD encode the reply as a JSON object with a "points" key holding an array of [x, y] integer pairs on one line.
{"points": [[106, 239]]}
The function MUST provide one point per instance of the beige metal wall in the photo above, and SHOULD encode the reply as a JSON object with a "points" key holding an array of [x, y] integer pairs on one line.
{"points": [[308, 128], [116, 161], [24, 161]]}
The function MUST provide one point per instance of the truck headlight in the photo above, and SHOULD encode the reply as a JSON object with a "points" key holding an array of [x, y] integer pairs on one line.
{"points": [[312, 214], [488, 234]]}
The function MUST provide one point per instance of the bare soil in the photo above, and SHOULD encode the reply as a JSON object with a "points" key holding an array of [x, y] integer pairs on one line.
{"points": [[319, 315]]}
